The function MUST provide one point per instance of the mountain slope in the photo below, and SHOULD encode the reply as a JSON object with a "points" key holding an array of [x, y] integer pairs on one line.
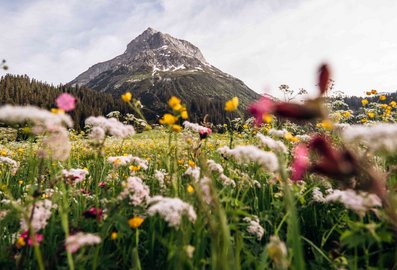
{"points": [[156, 66]]}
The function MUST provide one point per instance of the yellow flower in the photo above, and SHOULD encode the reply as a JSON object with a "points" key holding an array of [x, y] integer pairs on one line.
{"points": [[135, 168], [327, 124], [374, 92], [21, 242], [267, 118], [135, 222], [57, 111], [180, 162], [364, 102], [393, 104], [20, 181], [371, 114], [126, 97], [113, 236], [231, 105], [382, 97], [4, 152], [191, 163], [245, 126], [368, 93], [190, 189], [176, 128], [346, 114], [184, 115], [175, 103], [364, 120], [383, 106], [21, 150], [168, 119]]}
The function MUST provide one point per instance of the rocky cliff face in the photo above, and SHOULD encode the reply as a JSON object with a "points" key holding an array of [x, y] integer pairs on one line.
{"points": [[156, 66]]}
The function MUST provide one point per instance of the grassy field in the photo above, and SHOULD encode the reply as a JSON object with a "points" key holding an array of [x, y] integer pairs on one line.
{"points": [[274, 196]]}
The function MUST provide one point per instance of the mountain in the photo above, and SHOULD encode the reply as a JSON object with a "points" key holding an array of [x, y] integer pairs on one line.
{"points": [[156, 66]]}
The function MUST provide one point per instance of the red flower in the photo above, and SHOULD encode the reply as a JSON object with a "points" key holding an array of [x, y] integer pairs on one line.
{"points": [[93, 213], [260, 108], [25, 235]]}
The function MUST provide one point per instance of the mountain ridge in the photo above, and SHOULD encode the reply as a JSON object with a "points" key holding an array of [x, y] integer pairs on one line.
{"points": [[156, 66]]}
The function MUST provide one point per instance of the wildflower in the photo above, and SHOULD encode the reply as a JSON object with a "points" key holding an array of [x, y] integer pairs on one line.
{"points": [[184, 115], [364, 102], [277, 251], [300, 162], [254, 227], [56, 144], [374, 92], [346, 114], [41, 214], [197, 128], [379, 137], [272, 144], [135, 190], [135, 222], [371, 114], [66, 102], [264, 106], [134, 168], [126, 97], [267, 118], [93, 213], [74, 242], [393, 104], [176, 128], [21, 242], [189, 189], [114, 236], [189, 250], [250, 153], [205, 133], [168, 119], [171, 210], [382, 97], [360, 202], [110, 126], [25, 236], [175, 103], [194, 172], [232, 104], [160, 175], [57, 111], [74, 176], [323, 78], [191, 163], [10, 162], [368, 93]]}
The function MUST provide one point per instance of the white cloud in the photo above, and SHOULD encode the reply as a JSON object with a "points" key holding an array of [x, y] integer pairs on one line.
{"points": [[264, 43]]}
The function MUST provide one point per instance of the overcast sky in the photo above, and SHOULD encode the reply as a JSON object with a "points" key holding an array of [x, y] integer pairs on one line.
{"points": [[263, 43]]}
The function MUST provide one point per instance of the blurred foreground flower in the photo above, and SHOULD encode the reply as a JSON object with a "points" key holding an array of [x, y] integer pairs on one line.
{"points": [[232, 104], [135, 222], [66, 102]]}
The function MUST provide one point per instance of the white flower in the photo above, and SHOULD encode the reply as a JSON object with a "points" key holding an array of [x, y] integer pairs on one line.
{"points": [[97, 135], [75, 175], [160, 175], [193, 172], [214, 167], [21, 114], [379, 137], [171, 210], [278, 133], [360, 202], [56, 144], [277, 251], [318, 195], [254, 227], [110, 126], [118, 161], [10, 162], [194, 127], [41, 214], [137, 191], [74, 242], [272, 144], [250, 153], [205, 185]]}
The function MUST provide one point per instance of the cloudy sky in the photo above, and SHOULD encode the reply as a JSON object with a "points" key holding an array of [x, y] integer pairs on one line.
{"points": [[264, 43]]}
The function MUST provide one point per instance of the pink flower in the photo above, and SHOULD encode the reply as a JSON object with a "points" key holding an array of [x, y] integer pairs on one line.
{"points": [[300, 163], [66, 102], [25, 235], [204, 133], [260, 108]]}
